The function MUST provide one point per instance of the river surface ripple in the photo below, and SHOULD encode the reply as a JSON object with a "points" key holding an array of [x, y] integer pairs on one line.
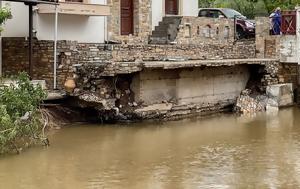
{"points": [[225, 151]]}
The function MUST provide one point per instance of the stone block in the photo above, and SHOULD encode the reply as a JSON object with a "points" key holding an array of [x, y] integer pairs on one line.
{"points": [[282, 94]]}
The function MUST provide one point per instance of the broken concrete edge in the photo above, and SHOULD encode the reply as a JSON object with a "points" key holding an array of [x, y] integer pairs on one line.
{"points": [[110, 69], [107, 88], [108, 111], [172, 111]]}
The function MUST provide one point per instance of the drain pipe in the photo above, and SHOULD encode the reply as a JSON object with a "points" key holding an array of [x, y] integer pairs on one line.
{"points": [[298, 33], [235, 29], [105, 27], [0, 48], [298, 40], [55, 49]]}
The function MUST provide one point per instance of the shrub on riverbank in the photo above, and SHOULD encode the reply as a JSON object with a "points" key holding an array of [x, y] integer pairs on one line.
{"points": [[20, 119]]}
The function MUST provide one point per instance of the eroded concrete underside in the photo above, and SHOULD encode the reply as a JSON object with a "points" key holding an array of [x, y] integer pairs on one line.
{"points": [[170, 89]]}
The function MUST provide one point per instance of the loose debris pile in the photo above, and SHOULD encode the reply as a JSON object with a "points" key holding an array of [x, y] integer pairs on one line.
{"points": [[276, 96]]}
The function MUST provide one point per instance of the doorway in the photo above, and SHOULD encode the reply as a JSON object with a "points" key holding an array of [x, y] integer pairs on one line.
{"points": [[171, 7], [126, 17]]}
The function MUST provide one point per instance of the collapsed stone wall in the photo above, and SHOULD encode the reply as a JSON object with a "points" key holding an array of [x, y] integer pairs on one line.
{"points": [[269, 88], [70, 53]]}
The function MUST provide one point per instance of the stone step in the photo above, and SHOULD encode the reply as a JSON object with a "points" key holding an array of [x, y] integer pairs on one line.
{"points": [[166, 31], [170, 18], [158, 40], [160, 33], [162, 27]]}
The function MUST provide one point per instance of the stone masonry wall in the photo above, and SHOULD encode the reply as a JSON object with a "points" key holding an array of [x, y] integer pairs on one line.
{"points": [[288, 73], [282, 47], [266, 45], [201, 51], [15, 56], [195, 30], [142, 21]]}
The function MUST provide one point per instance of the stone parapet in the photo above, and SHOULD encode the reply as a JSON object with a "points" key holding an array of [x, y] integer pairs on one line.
{"points": [[283, 47], [200, 51], [195, 30]]}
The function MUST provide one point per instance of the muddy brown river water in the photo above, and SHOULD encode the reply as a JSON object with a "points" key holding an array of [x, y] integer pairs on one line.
{"points": [[225, 151]]}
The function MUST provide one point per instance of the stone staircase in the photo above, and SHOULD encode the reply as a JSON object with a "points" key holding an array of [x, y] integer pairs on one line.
{"points": [[166, 31]]}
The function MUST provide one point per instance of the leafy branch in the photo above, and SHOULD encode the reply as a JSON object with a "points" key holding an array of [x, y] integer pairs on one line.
{"points": [[20, 118], [5, 14]]}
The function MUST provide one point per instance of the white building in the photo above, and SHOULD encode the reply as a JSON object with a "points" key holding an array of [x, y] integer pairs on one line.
{"points": [[160, 8], [81, 21], [85, 20]]}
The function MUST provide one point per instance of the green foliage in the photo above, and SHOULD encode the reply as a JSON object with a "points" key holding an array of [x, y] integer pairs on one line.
{"points": [[251, 8], [19, 115], [4, 15]]}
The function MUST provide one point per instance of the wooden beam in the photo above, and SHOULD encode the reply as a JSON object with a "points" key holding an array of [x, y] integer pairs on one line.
{"points": [[76, 9]]}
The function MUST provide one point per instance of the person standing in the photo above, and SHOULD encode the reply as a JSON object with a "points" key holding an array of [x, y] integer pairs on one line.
{"points": [[276, 21]]}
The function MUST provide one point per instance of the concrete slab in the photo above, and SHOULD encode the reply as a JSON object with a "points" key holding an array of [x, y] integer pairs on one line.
{"points": [[7, 82], [282, 94], [56, 95], [200, 63]]}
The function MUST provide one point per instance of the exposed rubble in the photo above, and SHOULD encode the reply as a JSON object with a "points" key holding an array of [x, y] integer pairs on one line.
{"points": [[276, 96], [249, 104]]}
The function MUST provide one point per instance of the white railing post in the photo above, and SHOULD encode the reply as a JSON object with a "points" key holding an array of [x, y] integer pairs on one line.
{"points": [[55, 49]]}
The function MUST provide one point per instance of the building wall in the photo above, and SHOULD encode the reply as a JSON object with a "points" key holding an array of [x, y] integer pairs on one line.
{"points": [[190, 8], [88, 29], [282, 47], [157, 12], [15, 56], [18, 25], [195, 30], [147, 15], [185, 9], [288, 49], [206, 86], [71, 27], [200, 51], [142, 20]]}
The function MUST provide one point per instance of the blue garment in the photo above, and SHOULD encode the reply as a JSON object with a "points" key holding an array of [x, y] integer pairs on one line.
{"points": [[276, 20]]}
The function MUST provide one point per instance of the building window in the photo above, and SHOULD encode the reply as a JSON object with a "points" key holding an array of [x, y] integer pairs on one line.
{"points": [[226, 32], [188, 31], [207, 31]]}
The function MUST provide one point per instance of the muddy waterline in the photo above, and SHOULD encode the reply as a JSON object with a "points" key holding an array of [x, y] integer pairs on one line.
{"points": [[225, 151]]}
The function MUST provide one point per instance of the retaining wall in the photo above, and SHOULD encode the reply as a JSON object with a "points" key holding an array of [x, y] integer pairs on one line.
{"points": [[70, 53]]}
